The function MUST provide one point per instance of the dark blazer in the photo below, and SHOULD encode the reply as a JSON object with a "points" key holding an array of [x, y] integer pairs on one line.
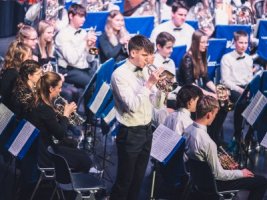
{"points": [[186, 73], [107, 50]]}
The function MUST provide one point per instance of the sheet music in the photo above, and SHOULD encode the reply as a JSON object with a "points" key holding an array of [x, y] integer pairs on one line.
{"points": [[264, 141], [21, 138], [164, 141], [5, 117], [253, 110]]}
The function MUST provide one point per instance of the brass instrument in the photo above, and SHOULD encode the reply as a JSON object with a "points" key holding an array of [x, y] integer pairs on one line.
{"points": [[223, 94], [94, 6], [51, 11], [75, 119], [166, 84], [226, 160], [93, 50], [243, 15]]}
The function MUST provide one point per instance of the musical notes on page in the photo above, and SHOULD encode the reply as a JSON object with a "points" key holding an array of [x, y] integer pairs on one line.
{"points": [[254, 109], [164, 142], [5, 117]]}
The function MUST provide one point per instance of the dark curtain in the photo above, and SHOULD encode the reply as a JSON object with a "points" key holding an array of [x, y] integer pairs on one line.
{"points": [[11, 14]]}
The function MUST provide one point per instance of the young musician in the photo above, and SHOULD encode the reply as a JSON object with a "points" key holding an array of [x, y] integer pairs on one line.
{"points": [[113, 42], [72, 46], [236, 73], [200, 146], [53, 123], [16, 54], [194, 71], [23, 101], [186, 101], [133, 103]]}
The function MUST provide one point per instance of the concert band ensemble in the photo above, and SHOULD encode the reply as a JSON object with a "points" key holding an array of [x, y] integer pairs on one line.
{"points": [[48, 76]]}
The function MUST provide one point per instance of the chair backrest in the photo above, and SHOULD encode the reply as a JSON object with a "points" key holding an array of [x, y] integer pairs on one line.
{"points": [[61, 168], [202, 177]]}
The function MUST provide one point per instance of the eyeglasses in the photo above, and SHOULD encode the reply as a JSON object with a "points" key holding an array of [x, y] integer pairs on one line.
{"points": [[32, 39]]}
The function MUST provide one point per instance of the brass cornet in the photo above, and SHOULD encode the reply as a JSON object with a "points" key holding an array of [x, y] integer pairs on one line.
{"points": [[166, 84], [226, 160], [93, 50], [223, 94], [75, 119]]}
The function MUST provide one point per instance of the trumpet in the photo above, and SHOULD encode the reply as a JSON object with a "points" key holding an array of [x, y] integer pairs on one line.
{"points": [[223, 94], [167, 84], [226, 160], [93, 50], [75, 119]]}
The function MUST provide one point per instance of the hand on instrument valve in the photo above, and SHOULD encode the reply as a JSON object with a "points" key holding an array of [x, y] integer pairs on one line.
{"points": [[154, 77], [69, 108], [91, 39], [247, 173]]}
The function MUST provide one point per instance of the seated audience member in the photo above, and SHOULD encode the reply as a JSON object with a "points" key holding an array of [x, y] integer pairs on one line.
{"points": [[186, 101], [113, 42], [199, 146], [176, 26], [50, 10], [16, 54], [236, 73], [45, 46], [23, 100], [72, 45], [193, 70], [53, 123]]}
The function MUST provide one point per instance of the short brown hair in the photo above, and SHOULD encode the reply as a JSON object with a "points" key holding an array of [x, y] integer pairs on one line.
{"points": [[139, 42], [77, 9], [239, 34], [163, 38], [177, 5], [205, 105]]}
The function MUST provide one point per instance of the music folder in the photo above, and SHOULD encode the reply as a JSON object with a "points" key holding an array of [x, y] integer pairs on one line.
{"points": [[255, 108], [165, 143], [21, 139]]}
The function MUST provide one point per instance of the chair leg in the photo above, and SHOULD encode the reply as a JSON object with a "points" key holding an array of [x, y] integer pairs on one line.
{"points": [[37, 186], [53, 193]]}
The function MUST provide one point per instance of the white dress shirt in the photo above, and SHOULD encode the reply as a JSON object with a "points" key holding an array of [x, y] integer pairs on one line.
{"points": [[178, 121], [133, 101], [182, 37], [236, 71], [200, 146], [71, 47]]}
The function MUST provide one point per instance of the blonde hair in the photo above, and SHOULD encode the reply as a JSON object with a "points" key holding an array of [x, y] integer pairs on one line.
{"points": [[15, 55], [113, 38], [24, 32], [42, 26]]}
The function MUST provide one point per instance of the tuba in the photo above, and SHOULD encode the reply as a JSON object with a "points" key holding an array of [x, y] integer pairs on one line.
{"points": [[226, 160], [75, 119], [223, 94], [166, 84]]}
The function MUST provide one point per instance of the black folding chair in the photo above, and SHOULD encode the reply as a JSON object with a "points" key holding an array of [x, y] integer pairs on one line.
{"points": [[85, 184], [203, 184]]}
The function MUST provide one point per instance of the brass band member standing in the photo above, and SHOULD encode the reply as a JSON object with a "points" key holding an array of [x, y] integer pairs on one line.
{"points": [[134, 112]]}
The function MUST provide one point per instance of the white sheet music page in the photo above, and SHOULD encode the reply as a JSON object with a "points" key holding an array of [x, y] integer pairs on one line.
{"points": [[264, 141], [5, 117], [21, 138], [164, 141], [254, 109]]}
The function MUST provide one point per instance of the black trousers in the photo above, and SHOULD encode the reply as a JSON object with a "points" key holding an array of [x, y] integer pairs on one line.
{"points": [[133, 146], [78, 77], [255, 185]]}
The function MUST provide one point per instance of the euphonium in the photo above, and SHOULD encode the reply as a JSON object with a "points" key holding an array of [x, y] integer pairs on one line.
{"points": [[223, 94], [166, 84], [75, 119], [226, 160]]}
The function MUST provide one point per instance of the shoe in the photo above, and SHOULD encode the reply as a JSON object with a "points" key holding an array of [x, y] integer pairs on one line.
{"points": [[94, 170]]}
